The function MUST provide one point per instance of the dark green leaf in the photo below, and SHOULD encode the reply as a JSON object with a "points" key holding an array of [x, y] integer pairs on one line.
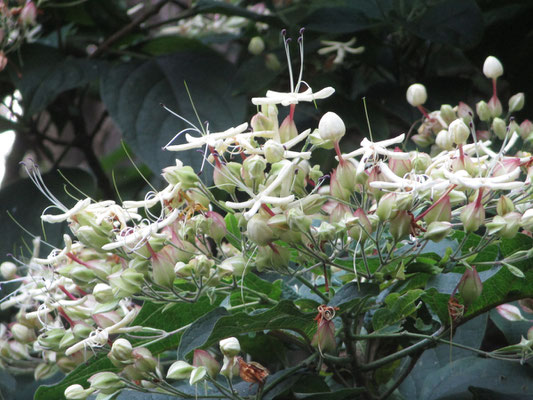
{"points": [[134, 91], [397, 308], [349, 393], [217, 326], [456, 22], [343, 17], [45, 73], [351, 293], [232, 225]]}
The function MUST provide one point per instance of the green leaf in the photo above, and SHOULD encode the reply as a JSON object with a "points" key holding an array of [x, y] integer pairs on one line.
{"points": [[513, 270], [341, 394], [397, 308], [343, 16], [45, 73], [134, 91], [351, 293], [232, 225], [455, 22], [216, 325]]}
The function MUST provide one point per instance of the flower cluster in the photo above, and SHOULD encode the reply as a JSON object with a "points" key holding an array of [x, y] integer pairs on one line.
{"points": [[184, 241]]}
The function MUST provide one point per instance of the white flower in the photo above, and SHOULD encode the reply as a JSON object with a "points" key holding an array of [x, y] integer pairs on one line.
{"points": [[294, 96], [341, 48], [413, 182], [492, 68], [370, 149], [502, 182], [210, 139]]}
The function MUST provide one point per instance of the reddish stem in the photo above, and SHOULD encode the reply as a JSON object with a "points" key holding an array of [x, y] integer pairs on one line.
{"points": [[494, 89], [76, 259], [339, 154], [82, 292], [69, 295], [271, 245], [461, 154], [431, 207], [291, 112], [151, 250], [64, 315], [479, 198], [267, 209], [424, 112]]}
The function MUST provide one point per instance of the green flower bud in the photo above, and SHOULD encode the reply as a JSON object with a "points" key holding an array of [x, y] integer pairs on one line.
{"points": [[201, 265], [197, 375], [272, 62], [387, 207], [483, 111], [260, 122], [67, 340], [506, 226], [470, 286], [421, 161], [202, 358], [258, 230], [499, 128], [298, 221], [336, 189], [49, 340], [505, 205], [287, 130], [144, 360], [438, 230], [400, 167], [77, 392], [44, 371], [217, 227], [254, 166], [106, 382], [310, 204], [230, 347], [181, 174], [400, 225], [326, 231], [416, 94], [121, 350], [472, 216], [273, 151], [447, 113], [459, 131], [275, 257], [526, 128], [423, 139], [345, 175], [444, 140], [492, 68], [232, 266], [226, 176], [441, 212], [103, 293], [8, 270], [495, 107], [180, 370], [22, 334], [92, 238], [256, 45], [163, 269], [132, 373], [362, 226], [331, 127], [66, 365], [81, 331], [80, 274], [527, 220], [126, 283]]}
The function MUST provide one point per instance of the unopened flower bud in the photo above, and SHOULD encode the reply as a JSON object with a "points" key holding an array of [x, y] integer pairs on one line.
{"points": [[444, 140], [506, 226], [8, 270], [28, 14], [272, 62], [447, 113], [424, 139], [527, 220], [472, 216], [505, 205], [126, 283], [516, 102], [43, 371], [197, 375], [217, 226], [230, 367], [256, 45], [77, 392], [438, 230], [526, 128], [258, 230], [499, 128], [441, 212], [121, 350], [144, 360], [254, 166], [492, 68], [416, 94], [331, 127], [179, 370], [163, 269], [345, 174], [362, 227], [298, 221], [202, 358], [483, 111], [420, 161], [464, 112], [67, 340], [106, 382], [399, 167], [273, 151], [510, 312], [181, 174], [22, 333], [260, 122], [470, 286], [66, 365], [232, 266], [103, 293], [324, 337], [81, 331], [400, 226], [287, 130], [387, 207], [230, 347], [495, 107], [226, 176], [49, 340], [459, 131]]}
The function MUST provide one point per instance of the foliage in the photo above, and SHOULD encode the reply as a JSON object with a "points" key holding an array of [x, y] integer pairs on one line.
{"points": [[402, 252]]}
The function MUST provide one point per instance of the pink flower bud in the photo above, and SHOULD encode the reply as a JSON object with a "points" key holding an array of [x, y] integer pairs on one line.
{"points": [[526, 128], [362, 227], [287, 130], [324, 337], [202, 358], [510, 312], [400, 167], [400, 226], [28, 14], [465, 112], [472, 216], [470, 286], [336, 188], [505, 166], [217, 229], [495, 107], [505, 205]]}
